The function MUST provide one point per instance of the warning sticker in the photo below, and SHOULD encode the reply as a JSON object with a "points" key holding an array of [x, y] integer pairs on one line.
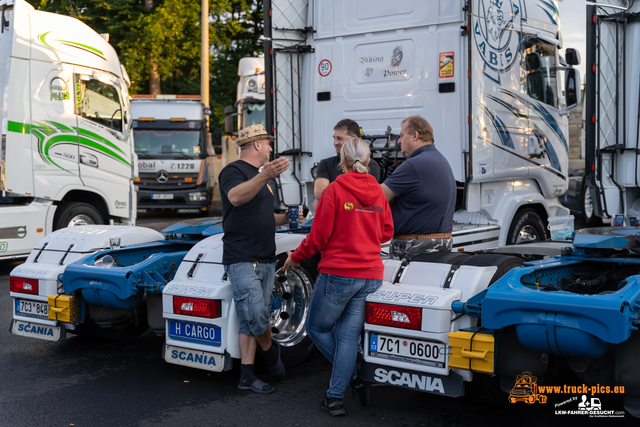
{"points": [[446, 64]]}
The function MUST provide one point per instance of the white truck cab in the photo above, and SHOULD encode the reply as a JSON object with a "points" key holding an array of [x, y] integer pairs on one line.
{"points": [[66, 154], [175, 155], [485, 74]]}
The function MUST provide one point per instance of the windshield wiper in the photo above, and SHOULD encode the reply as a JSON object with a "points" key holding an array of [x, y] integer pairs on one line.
{"points": [[146, 156], [186, 156]]}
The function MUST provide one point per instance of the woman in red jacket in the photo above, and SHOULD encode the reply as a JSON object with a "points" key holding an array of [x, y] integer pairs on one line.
{"points": [[352, 220]]}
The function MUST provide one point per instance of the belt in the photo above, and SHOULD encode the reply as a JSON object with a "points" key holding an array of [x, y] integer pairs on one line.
{"points": [[422, 236]]}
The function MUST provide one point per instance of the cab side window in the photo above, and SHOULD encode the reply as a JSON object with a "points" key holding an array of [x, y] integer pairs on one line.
{"points": [[540, 67], [99, 102]]}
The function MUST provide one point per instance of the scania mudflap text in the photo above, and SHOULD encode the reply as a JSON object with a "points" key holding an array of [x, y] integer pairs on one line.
{"points": [[488, 76], [116, 282], [477, 318], [66, 153]]}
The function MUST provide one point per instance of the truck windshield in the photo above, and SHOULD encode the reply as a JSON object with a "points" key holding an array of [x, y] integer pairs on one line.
{"points": [[253, 114], [168, 144]]}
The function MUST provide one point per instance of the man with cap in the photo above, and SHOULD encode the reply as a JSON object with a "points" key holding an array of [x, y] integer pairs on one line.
{"points": [[249, 249], [422, 194], [328, 169]]}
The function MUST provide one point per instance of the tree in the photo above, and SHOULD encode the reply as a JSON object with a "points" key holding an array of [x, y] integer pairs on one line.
{"points": [[170, 34]]}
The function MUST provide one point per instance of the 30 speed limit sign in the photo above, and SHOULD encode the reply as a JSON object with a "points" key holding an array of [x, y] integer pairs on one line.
{"points": [[324, 68]]}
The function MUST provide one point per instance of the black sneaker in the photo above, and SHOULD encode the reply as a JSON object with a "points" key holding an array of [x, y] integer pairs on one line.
{"points": [[333, 406], [362, 389]]}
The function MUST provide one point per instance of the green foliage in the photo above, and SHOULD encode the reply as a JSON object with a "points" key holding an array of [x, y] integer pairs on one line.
{"points": [[169, 34]]}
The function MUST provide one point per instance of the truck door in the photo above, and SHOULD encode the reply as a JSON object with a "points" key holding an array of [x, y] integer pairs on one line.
{"points": [[53, 129], [104, 148], [547, 142], [499, 131]]}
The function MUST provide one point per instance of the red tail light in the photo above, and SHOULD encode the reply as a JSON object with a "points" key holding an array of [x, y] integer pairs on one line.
{"points": [[394, 315], [24, 286], [196, 307]]}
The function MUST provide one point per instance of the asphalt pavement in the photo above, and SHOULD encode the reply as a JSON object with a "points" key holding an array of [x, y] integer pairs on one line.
{"points": [[84, 382]]}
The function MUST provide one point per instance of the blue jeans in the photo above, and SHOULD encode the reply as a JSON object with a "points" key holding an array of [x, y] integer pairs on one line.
{"points": [[252, 293], [335, 321]]}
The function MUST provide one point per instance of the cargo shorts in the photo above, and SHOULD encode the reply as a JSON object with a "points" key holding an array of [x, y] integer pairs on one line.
{"points": [[252, 292]]}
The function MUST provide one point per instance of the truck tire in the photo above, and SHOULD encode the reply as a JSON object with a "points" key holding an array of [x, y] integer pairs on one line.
{"points": [[588, 215], [503, 262], [289, 310], [70, 214], [527, 226], [453, 258], [89, 329], [486, 388]]}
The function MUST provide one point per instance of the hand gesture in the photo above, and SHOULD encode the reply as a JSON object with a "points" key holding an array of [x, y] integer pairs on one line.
{"points": [[276, 167], [289, 262]]}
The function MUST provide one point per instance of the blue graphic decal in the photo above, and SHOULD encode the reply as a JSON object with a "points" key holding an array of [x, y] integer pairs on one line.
{"points": [[543, 114], [551, 18], [551, 6], [503, 132], [530, 124]]}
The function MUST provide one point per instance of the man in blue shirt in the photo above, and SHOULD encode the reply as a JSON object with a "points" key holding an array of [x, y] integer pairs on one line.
{"points": [[422, 194]]}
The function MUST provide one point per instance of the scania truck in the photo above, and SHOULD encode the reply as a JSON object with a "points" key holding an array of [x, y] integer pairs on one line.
{"points": [[66, 154], [175, 153], [486, 74]]}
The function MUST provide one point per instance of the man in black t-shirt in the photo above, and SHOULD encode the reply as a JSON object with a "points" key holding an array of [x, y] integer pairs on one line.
{"points": [[328, 170], [249, 249]]}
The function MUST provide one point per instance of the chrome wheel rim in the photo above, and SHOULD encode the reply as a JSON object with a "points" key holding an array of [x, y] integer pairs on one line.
{"points": [[289, 306], [588, 205], [528, 233], [80, 219]]}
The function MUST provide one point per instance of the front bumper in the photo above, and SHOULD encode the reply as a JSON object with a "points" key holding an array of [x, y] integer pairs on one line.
{"points": [[180, 199]]}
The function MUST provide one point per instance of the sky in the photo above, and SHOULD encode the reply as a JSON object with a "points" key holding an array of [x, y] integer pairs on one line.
{"points": [[573, 15]]}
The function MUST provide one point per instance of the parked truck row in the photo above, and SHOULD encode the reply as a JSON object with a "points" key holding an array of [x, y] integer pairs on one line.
{"points": [[491, 82]]}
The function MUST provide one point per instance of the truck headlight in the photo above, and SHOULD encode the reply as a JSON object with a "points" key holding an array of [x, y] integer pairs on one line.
{"points": [[198, 197]]}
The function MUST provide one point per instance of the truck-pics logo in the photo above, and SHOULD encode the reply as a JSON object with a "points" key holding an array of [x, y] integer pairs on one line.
{"points": [[59, 89], [526, 390], [496, 34]]}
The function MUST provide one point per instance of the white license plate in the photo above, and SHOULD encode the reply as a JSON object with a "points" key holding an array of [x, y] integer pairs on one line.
{"points": [[193, 358], [409, 350], [32, 308], [34, 330], [162, 196]]}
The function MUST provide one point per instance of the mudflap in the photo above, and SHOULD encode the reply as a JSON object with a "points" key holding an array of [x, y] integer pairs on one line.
{"points": [[36, 330], [451, 385]]}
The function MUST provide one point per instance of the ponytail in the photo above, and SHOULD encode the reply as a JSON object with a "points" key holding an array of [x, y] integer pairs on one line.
{"points": [[355, 154]]}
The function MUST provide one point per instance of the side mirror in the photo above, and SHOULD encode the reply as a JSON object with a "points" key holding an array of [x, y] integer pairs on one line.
{"points": [[572, 56], [217, 140], [533, 61], [572, 87], [571, 90], [228, 119]]}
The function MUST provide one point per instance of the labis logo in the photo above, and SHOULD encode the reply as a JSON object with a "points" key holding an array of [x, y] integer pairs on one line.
{"points": [[496, 34]]}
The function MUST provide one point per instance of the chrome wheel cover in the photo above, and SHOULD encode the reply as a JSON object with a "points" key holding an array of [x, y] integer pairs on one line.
{"points": [[289, 306]]}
